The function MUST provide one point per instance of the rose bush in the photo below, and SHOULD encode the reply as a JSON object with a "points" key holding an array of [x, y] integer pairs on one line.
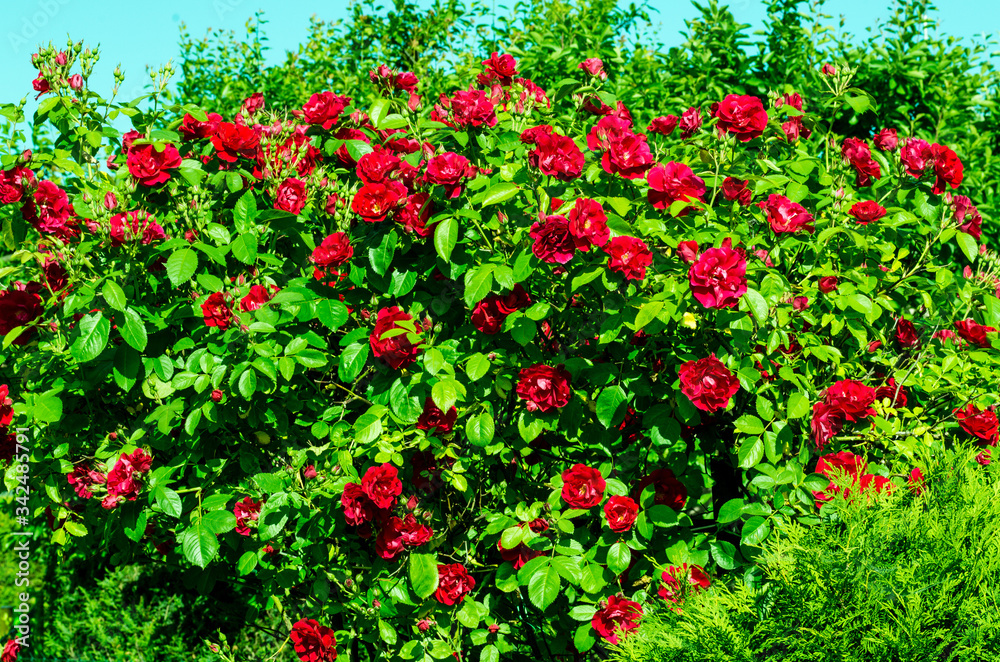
{"points": [[477, 376]]}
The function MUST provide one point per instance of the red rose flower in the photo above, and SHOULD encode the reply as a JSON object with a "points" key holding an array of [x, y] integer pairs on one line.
{"points": [[193, 129], [827, 422], [149, 165], [449, 170], [324, 109], [588, 224], [915, 154], [743, 116], [906, 334], [979, 423], [889, 392], [543, 387], [290, 196], [594, 66], [216, 311], [620, 617], [737, 190], [557, 156], [486, 316], [413, 215], [246, 510], [135, 225], [677, 581], [969, 219], [628, 156], [381, 484], [663, 126], [867, 211], [553, 242], [885, 140], [397, 351], [583, 486], [314, 642], [19, 307], [335, 250], [838, 465], [466, 108], [672, 183], [621, 513], [454, 583], [974, 332], [859, 155], [718, 278], [373, 202], [10, 651], [358, 508], [947, 168], [828, 284], [433, 418], [233, 142], [786, 216], [852, 398], [519, 555], [628, 256], [690, 122], [82, 477], [399, 534], [668, 490], [708, 383], [256, 298]]}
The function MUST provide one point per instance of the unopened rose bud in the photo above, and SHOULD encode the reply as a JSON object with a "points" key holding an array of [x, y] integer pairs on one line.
{"points": [[76, 81], [61, 58], [349, 583], [112, 436], [491, 356], [216, 395], [423, 625], [190, 236], [493, 628], [376, 604], [26, 156], [829, 70], [309, 472], [214, 648]]}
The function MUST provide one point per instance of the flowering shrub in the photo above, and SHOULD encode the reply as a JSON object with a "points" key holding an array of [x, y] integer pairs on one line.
{"points": [[484, 382]]}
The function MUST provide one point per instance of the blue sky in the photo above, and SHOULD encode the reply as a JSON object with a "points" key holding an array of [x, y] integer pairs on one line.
{"points": [[147, 33]]}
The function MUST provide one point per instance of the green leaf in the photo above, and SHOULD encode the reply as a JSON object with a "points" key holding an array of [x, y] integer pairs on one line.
{"points": [[134, 330], [247, 384], [181, 265], [499, 193], [609, 403], [378, 111], [113, 294], [352, 361], [219, 521], [368, 428], [968, 245], [247, 563], [47, 407], [543, 585], [647, 313], [381, 255], [480, 429], [168, 501], [478, 283], [94, 331], [273, 516], [751, 452], [583, 639], [126, 367], [749, 424], [859, 103], [619, 557], [136, 531], [445, 238], [200, 545], [757, 305], [424, 574], [724, 554], [798, 405], [444, 394], [490, 653], [730, 511], [755, 530], [244, 248], [477, 366]]}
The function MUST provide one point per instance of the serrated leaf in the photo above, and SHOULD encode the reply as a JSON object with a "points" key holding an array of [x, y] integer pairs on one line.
{"points": [[968, 245], [423, 574], [181, 265], [757, 305], [619, 557], [543, 586], [94, 331], [113, 294], [200, 545], [480, 429], [609, 403], [445, 238], [352, 361], [134, 330], [244, 248], [499, 193], [647, 313], [751, 452]]}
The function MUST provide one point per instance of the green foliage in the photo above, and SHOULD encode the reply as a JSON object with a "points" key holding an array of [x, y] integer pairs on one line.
{"points": [[902, 577]]}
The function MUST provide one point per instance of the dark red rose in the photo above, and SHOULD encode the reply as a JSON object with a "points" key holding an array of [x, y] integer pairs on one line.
{"points": [[290, 195], [397, 351], [718, 278], [677, 581], [915, 154], [674, 182], [373, 202], [82, 477], [358, 508], [594, 66], [335, 250], [621, 513], [793, 128], [381, 484], [842, 465], [708, 383], [217, 395], [867, 211], [688, 251], [827, 422], [246, 510], [969, 219], [553, 242], [135, 225], [906, 334], [14, 183], [433, 418], [663, 126], [427, 470], [466, 108], [10, 651], [828, 284], [415, 213], [786, 216], [122, 480], [233, 142], [974, 332], [947, 168], [979, 423], [885, 140], [346, 133], [454, 583], [889, 392], [257, 297], [486, 316], [400, 534], [669, 491], [690, 122], [149, 166], [852, 398], [557, 156], [449, 170], [742, 116], [737, 190], [517, 556], [192, 129], [19, 307], [376, 167], [314, 642], [50, 212], [859, 155], [628, 156], [544, 388], [620, 617], [628, 256], [324, 109], [583, 486], [216, 311], [588, 224]]}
